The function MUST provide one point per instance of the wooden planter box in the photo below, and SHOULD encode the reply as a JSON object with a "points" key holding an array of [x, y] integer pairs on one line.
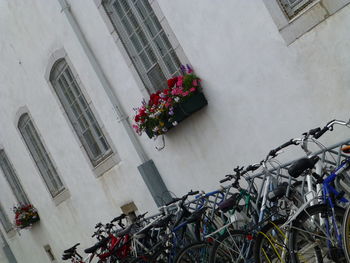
{"points": [[185, 109]]}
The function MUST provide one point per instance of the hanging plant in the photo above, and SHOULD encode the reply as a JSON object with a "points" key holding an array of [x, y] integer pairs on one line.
{"points": [[25, 216], [166, 108]]}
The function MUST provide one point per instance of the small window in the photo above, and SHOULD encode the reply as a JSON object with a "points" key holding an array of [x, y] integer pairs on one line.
{"points": [[12, 179], [293, 7], [40, 155], [4, 220], [79, 113], [144, 40]]}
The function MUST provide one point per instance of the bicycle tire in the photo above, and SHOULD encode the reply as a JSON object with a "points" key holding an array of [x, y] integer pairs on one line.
{"points": [[308, 242], [227, 247], [346, 233], [196, 252], [271, 244]]}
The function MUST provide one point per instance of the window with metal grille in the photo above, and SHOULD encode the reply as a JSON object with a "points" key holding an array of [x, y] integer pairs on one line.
{"points": [[4, 220], [144, 40], [79, 113], [12, 179], [40, 155], [293, 7]]}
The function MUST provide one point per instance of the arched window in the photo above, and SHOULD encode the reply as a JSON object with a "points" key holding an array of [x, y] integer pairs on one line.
{"points": [[79, 112], [40, 155], [12, 179]]}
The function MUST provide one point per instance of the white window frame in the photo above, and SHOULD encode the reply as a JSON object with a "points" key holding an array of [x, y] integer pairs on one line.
{"points": [[310, 16], [113, 159], [55, 179], [158, 54], [11, 177], [61, 74], [116, 37], [5, 222]]}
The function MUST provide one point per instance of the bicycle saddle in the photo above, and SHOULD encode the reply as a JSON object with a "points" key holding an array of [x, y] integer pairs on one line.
{"points": [[66, 256], [229, 203], [99, 244], [72, 249], [301, 165], [278, 192], [346, 149]]}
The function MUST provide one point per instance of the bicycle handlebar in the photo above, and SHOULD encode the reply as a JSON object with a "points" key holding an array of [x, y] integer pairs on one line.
{"points": [[121, 217], [329, 126], [273, 152]]}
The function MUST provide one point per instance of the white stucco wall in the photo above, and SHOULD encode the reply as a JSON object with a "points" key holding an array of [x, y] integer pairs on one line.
{"points": [[261, 92]]}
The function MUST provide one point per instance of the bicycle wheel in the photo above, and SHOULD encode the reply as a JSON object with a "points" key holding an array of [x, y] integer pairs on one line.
{"points": [[346, 233], [271, 244], [196, 252], [232, 246], [309, 241]]}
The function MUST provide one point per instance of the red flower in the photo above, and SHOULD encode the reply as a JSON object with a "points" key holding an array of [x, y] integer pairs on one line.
{"points": [[172, 82], [154, 99], [166, 91]]}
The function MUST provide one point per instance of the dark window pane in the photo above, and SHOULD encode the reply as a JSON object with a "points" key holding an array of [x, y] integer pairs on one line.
{"points": [[127, 25], [118, 8], [93, 146], [151, 55], [136, 43], [150, 26], [160, 45], [104, 143], [141, 9], [157, 78], [145, 60]]}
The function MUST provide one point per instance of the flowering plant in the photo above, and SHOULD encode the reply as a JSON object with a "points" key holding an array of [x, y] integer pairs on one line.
{"points": [[25, 215], [157, 115]]}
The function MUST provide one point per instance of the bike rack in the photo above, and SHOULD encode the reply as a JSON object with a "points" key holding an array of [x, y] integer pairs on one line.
{"points": [[334, 150]]}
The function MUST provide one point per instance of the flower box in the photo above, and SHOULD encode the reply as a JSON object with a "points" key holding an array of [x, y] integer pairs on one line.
{"points": [[25, 216], [166, 108], [184, 110]]}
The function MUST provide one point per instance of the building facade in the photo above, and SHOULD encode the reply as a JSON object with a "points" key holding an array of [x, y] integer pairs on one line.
{"points": [[71, 73]]}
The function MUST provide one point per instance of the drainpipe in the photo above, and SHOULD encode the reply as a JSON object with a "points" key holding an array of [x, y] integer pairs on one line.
{"points": [[147, 169]]}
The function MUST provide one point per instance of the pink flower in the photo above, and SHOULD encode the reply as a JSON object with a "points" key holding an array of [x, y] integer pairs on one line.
{"points": [[167, 105], [176, 91], [195, 83], [179, 81], [193, 89], [185, 93]]}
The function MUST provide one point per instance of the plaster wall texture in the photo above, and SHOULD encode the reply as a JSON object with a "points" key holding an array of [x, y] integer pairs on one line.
{"points": [[261, 93], [3, 258]]}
